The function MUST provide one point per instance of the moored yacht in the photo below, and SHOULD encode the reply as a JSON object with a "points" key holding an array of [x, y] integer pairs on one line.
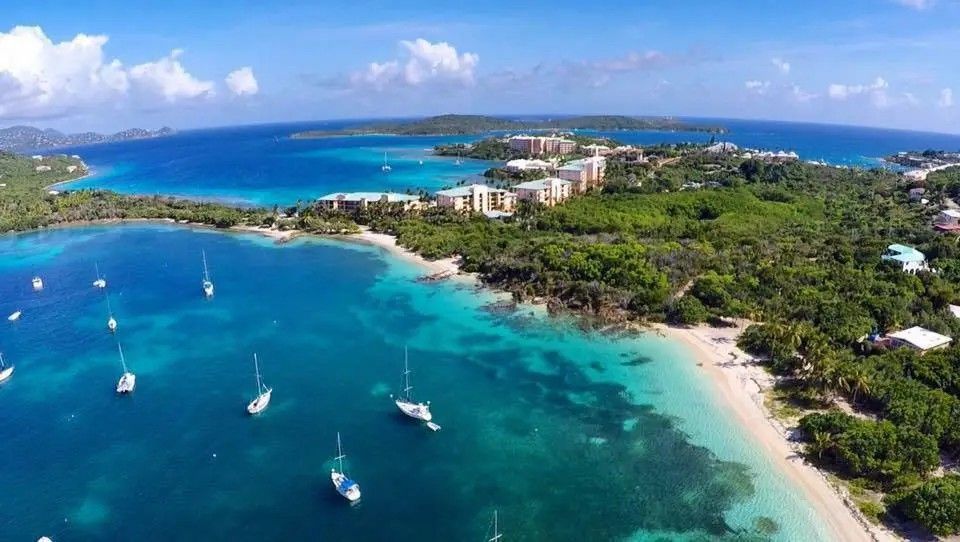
{"points": [[259, 404], [385, 167], [346, 487], [128, 380], [100, 282], [37, 283], [15, 315], [207, 283], [6, 371], [406, 403], [111, 321]]}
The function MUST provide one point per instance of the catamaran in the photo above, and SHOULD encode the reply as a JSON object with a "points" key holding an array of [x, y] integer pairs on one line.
{"points": [[343, 484], [406, 404], [496, 530], [5, 370], [37, 284], [111, 321], [207, 283], [15, 315], [100, 282], [259, 404], [128, 380], [385, 167]]}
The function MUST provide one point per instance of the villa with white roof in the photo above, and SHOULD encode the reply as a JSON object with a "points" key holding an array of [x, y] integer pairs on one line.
{"points": [[478, 198], [920, 339], [351, 201], [908, 258], [548, 192]]}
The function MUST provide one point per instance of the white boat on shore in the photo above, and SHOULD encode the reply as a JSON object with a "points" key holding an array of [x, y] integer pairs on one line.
{"points": [[6, 371], [128, 380], [346, 487], [406, 403], [37, 284], [207, 283], [259, 404], [100, 282], [14, 316]]}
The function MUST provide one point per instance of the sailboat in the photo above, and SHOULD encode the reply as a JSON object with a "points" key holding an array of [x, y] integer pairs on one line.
{"points": [[5, 370], [207, 283], [128, 380], [385, 167], [406, 404], [37, 284], [343, 484], [459, 161], [15, 315], [496, 529], [259, 404], [100, 282], [111, 321]]}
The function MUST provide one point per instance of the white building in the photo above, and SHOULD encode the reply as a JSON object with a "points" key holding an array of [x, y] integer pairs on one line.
{"points": [[584, 173], [351, 201], [42, 168], [920, 339], [478, 198], [522, 164], [548, 192], [908, 258]]}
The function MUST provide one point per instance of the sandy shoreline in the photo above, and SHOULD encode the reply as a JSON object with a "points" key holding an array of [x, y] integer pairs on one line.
{"points": [[741, 385]]}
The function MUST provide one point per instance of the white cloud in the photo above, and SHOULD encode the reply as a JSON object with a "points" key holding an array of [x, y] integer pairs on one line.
{"points": [[918, 5], [242, 82], [168, 78], [946, 98], [758, 87], [801, 95], [422, 62], [842, 92], [43, 79], [781, 65]]}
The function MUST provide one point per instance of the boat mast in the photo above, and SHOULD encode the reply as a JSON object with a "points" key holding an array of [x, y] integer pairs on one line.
{"points": [[109, 310], [406, 375], [256, 366], [97, 267], [122, 361], [496, 535], [340, 455], [2, 365], [206, 274]]}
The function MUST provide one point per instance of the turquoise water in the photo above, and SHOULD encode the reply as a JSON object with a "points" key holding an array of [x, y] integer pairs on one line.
{"points": [[571, 436]]}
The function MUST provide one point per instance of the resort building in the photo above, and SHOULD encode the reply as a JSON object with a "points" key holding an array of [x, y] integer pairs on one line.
{"points": [[42, 168], [947, 220], [916, 194], [535, 145], [522, 164], [584, 173], [548, 192], [920, 339], [596, 150], [351, 201], [909, 259], [478, 198]]}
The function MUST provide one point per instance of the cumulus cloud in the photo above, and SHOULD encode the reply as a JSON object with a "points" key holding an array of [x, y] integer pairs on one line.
{"points": [[946, 98], [43, 79], [782, 65], [876, 89], [758, 87], [242, 82], [421, 62], [801, 95], [918, 5]]}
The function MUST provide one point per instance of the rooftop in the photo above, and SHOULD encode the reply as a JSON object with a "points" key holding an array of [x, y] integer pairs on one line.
{"points": [[542, 184], [369, 196], [903, 253], [924, 339], [952, 213], [468, 190]]}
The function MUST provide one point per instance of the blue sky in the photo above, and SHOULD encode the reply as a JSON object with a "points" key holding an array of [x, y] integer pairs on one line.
{"points": [[106, 65]]}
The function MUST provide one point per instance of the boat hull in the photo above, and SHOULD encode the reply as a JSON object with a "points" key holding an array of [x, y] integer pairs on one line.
{"points": [[6, 373], [14, 317], [259, 404], [208, 289], [346, 487], [100, 283], [112, 325], [127, 383], [37, 284], [417, 411]]}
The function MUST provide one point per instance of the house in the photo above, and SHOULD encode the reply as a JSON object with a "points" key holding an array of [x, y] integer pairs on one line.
{"points": [[37, 157], [954, 310], [920, 339], [584, 173], [352, 201], [42, 168], [721, 148], [71, 169], [916, 194], [909, 259], [478, 198], [947, 220], [526, 165], [548, 192]]}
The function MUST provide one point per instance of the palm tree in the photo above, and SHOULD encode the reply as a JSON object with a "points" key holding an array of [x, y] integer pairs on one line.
{"points": [[859, 382], [823, 441]]}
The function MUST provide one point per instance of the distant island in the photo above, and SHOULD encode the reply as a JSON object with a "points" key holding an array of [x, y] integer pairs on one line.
{"points": [[480, 124], [925, 159], [28, 138]]}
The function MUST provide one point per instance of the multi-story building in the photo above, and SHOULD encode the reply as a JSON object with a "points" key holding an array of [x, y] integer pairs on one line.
{"points": [[522, 164], [549, 192], [478, 198], [534, 145], [584, 173], [351, 201]]}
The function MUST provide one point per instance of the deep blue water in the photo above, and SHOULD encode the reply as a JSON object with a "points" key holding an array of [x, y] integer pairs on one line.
{"points": [[261, 165], [571, 436]]}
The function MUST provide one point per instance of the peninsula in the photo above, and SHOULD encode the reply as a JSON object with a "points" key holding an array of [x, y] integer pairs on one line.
{"points": [[28, 138], [480, 124]]}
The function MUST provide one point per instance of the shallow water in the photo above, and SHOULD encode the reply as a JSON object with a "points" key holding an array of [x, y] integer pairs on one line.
{"points": [[570, 436]]}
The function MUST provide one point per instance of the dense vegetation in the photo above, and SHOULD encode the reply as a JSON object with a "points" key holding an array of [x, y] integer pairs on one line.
{"points": [[479, 124]]}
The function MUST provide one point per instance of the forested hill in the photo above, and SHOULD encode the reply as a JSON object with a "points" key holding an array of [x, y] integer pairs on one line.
{"points": [[28, 138], [479, 124]]}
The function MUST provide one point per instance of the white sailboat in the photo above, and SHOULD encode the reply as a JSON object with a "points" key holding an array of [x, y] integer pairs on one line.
{"points": [[459, 161], [346, 487], [111, 321], [37, 284], [385, 167], [496, 529], [128, 380], [406, 404], [5, 370], [207, 283], [15, 315], [100, 282], [259, 404]]}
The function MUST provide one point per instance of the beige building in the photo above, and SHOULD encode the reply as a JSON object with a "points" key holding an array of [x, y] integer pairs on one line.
{"points": [[535, 145], [584, 173], [351, 201], [548, 192], [478, 198]]}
